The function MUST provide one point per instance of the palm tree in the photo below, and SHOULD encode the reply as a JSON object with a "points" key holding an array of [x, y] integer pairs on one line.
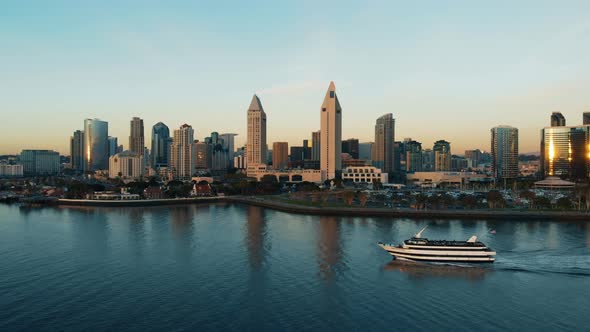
{"points": [[494, 199], [363, 198], [348, 197]]}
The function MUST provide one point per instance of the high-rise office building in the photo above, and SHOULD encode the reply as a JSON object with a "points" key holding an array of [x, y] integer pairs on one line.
{"points": [[306, 150], [96, 145], [240, 158], [351, 146], [161, 141], [331, 135], [365, 150], [136, 136], [113, 146], [473, 157], [297, 157], [39, 162], [504, 148], [77, 151], [383, 149], [203, 153], [557, 120], [256, 148], [427, 160], [280, 155], [586, 118], [229, 146], [219, 154], [459, 164], [413, 156], [565, 152], [442, 156], [182, 153], [315, 145]]}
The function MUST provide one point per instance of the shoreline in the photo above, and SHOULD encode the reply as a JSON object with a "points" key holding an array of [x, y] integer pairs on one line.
{"points": [[417, 214], [344, 211], [137, 203]]}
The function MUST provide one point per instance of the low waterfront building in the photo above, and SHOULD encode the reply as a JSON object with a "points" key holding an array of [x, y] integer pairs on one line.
{"points": [[126, 165], [291, 175], [153, 193], [11, 170], [113, 196], [367, 174], [554, 183], [436, 179], [201, 190]]}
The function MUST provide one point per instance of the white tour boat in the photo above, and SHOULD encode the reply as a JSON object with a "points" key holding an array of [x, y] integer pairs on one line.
{"points": [[442, 251]]}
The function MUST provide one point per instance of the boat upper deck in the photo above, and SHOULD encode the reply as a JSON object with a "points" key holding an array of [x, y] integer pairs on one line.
{"points": [[442, 243]]}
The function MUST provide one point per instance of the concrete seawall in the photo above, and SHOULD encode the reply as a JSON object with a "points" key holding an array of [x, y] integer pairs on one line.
{"points": [[409, 213], [142, 202], [346, 211]]}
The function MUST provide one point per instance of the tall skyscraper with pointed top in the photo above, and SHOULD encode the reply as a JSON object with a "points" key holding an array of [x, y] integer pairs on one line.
{"points": [[331, 135], [256, 148]]}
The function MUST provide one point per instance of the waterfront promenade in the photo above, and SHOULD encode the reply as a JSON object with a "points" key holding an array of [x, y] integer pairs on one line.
{"points": [[270, 202]]}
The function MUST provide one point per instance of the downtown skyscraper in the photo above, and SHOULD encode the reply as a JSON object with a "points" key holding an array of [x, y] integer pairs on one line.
{"points": [[77, 151], [280, 155], [504, 149], [182, 153], [565, 150], [96, 145], [442, 156], [331, 135], [383, 147], [136, 136], [160, 145], [256, 148]]}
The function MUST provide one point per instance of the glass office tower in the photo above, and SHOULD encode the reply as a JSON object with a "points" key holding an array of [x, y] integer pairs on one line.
{"points": [[96, 145]]}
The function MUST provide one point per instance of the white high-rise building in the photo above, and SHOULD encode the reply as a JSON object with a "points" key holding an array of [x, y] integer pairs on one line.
{"points": [[182, 153], [331, 135], [256, 148]]}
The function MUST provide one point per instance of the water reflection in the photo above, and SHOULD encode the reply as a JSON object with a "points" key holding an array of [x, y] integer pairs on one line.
{"points": [[256, 236], [415, 270], [329, 250], [90, 231], [137, 231], [181, 219]]}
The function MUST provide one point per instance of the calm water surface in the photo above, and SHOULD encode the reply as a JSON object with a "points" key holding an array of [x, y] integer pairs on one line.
{"points": [[234, 267]]}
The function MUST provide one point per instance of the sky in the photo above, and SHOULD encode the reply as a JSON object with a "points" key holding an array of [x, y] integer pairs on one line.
{"points": [[446, 69]]}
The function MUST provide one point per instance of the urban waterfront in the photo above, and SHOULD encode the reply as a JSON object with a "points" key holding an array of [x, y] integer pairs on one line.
{"points": [[230, 266]]}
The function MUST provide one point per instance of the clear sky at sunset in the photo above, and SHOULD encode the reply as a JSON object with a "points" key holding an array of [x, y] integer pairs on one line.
{"points": [[445, 69]]}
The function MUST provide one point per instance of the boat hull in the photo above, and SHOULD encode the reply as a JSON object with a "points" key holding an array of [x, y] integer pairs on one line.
{"points": [[440, 256]]}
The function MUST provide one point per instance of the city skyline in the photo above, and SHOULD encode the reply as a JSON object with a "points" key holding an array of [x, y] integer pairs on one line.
{"points": [[438, 64]]}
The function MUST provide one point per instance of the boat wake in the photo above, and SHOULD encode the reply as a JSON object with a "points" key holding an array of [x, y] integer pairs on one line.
{"points": [[571, 271]]}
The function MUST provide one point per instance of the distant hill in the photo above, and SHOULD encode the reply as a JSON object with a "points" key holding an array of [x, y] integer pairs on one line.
{"points": [[528, 157]]}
